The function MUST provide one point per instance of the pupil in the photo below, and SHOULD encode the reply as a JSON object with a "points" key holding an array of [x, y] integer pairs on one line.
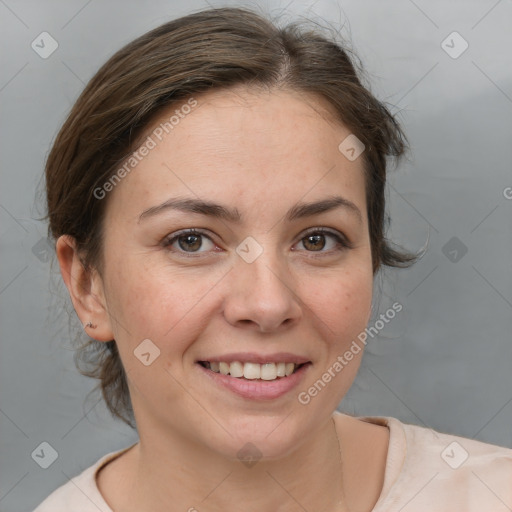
{"points": [[317, 239], [190, 242]]}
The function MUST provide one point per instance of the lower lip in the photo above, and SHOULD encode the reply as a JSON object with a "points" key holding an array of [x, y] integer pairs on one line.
{"points": [[258, 389]]}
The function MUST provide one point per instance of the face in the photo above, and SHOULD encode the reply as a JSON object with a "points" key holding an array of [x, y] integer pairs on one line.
{"points": [[261, 279]]}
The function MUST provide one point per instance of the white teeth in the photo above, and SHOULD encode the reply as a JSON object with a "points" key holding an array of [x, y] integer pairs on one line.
{"points": [[251, 371], [236, 369], [268, 371]]}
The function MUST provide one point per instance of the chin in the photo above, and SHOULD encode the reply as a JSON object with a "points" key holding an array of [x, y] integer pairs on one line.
{"points": [[262, 437]]}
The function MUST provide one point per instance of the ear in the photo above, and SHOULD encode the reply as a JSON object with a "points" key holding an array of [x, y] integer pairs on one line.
{"points": [[85, 288]]}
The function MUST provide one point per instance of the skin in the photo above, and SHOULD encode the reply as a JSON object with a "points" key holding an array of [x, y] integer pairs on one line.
{"points": [[261, 152]]}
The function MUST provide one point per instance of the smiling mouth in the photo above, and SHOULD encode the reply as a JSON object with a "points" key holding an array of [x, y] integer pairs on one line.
{"points": [[253, 371]]}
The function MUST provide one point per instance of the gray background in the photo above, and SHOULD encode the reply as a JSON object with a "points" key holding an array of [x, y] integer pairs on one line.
{"points": [[443, 362]]}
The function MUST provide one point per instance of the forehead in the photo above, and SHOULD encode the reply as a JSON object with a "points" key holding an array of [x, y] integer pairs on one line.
{"points": [[269, 123], [241, 142]]}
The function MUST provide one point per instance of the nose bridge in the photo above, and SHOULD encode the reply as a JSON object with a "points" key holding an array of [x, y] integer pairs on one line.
{"points": [[262, 261], [262, 291]]}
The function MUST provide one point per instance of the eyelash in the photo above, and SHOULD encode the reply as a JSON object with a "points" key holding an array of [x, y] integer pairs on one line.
{"points": [[342, 242]]}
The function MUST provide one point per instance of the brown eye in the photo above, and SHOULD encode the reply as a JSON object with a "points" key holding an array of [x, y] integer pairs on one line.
{"points": [[318, 239], [190, 241], [314, 242]]}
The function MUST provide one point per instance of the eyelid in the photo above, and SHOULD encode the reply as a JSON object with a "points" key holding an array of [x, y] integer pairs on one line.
{"points": [[328, 231], [170, 239]]}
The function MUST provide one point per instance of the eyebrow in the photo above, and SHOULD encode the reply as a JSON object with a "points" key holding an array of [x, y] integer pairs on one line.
{"points": [[211, 209]]}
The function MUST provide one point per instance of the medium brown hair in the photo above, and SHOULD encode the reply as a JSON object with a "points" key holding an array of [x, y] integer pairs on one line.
{"points": [[209, 50]]}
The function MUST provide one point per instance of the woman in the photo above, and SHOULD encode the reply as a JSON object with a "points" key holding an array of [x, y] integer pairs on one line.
{"points": [[217, 199]]}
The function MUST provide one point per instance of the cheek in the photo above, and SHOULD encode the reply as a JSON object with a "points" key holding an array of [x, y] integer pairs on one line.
{"points": [[340, 303], [151, 301]]}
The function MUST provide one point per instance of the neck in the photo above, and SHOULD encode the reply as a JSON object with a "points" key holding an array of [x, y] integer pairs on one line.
{"points": [[171, 469]]}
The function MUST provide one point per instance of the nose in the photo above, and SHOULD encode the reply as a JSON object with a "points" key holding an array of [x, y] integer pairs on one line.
{"points": [[261, 296]]}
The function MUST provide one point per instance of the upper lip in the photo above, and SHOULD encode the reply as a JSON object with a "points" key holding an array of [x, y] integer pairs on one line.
{"points": [[252, 357]]}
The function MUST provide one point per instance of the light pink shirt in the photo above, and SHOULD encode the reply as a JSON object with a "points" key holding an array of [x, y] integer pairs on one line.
{"points": [[426, 471]]}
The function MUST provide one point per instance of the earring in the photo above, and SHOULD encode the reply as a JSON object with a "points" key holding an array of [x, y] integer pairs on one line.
{"points": [[90, 324]]}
